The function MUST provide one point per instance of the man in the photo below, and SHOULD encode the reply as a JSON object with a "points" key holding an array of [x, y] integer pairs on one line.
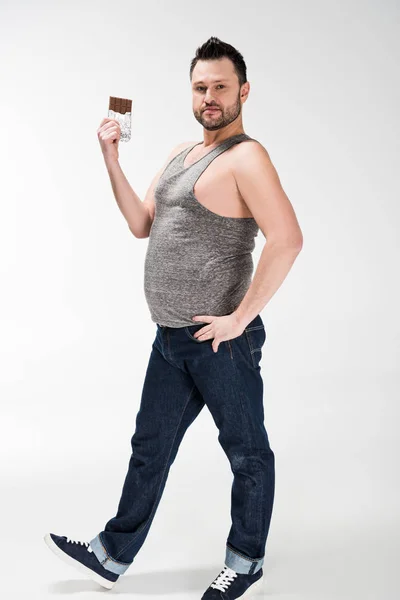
{"points": [[201, 214]]}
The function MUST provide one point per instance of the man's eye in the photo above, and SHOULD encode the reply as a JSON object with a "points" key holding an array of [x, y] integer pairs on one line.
{"points": [[199, 87]]}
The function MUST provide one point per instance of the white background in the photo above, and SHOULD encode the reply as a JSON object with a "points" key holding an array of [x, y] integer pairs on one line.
{"points": [[76, 332]]}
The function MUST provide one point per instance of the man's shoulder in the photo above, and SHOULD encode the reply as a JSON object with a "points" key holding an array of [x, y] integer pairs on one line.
{"points": [[250, 152], [250, 147]]}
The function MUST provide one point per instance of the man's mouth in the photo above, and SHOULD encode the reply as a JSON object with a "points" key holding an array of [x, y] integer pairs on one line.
{"points": [[211, 110]]}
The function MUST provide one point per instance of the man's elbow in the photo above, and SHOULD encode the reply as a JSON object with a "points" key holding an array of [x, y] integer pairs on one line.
{"points": [[294, 239], [297, 242], [139, 233], [292, 242], [142, 230]]}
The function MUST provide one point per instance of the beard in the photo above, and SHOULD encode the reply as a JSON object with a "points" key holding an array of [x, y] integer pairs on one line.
{"points": [[220, 119]]}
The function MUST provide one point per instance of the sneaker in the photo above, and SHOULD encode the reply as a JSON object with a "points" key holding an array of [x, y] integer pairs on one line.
{"points": [[80, 555], [230, 585]]}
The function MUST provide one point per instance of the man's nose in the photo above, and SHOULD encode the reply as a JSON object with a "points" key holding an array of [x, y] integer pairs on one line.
{"points": [[208, 98]]}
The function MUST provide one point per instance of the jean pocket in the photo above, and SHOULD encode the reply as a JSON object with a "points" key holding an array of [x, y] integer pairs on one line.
{"points": [[191, 329], [255, 339]]}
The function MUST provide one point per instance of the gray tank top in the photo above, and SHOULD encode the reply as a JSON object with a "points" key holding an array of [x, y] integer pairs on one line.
{"points": [[197, 262]]}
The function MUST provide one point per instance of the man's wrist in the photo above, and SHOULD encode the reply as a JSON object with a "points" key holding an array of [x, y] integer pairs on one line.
{"points": [[241, 320], [110, 162]]}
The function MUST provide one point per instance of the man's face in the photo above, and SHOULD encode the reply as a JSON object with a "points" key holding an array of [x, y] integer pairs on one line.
{"points": [[215, 85]]}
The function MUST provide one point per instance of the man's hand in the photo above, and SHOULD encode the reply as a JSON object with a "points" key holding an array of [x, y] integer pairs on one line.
{"points": [[109, 135], [221, 329]]}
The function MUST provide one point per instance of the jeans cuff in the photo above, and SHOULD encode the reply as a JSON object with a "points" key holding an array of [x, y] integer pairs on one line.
{"points": [[241, 563], [105, 559]]}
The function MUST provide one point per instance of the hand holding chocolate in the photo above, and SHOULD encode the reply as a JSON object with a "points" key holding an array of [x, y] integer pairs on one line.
{"points": [[120, 109]]}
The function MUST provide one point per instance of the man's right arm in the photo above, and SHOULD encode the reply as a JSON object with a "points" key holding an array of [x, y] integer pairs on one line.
{"points": [[139, 215]]}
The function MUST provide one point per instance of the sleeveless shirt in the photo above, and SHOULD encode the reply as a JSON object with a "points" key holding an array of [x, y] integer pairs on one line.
{"points": [[197, 262]]}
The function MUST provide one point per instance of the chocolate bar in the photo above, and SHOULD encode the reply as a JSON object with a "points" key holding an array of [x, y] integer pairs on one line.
{"points": [[120, 109], [121, 105]]}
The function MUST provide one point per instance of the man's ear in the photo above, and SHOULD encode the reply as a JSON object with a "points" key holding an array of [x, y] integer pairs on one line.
{"points": [[244, 93]]}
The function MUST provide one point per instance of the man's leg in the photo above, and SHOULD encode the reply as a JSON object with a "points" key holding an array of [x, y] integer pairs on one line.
{"points": [[170, 402], [231, 385]]}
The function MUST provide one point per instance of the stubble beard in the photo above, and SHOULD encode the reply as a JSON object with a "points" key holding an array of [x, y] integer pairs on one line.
{"points": [[220, 119]]}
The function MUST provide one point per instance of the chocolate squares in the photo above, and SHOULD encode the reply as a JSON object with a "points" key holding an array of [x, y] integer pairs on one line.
{"points": [[120, 109], [120, 105]]}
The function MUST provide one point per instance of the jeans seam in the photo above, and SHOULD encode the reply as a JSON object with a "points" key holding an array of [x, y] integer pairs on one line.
{"points": [[251, 348], [161, 479], [255, 362], [108, 555]]}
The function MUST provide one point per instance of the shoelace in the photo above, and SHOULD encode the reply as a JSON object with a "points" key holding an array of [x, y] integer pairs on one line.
{"points": [[88, 548], [224, 579]]}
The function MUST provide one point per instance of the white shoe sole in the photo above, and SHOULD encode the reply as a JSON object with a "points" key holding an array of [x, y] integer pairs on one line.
{"points": [[254, 589], [78, 565]]}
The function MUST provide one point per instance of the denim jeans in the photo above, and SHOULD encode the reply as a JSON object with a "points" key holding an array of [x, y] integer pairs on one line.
{"points": [[184, 374]]}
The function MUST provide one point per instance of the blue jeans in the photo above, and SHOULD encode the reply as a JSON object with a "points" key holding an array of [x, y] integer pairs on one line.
{"points": [[184, 374]]}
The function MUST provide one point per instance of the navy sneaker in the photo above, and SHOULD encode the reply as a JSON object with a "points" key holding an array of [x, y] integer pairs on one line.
{"points": [[230, 585], [80, 555]]}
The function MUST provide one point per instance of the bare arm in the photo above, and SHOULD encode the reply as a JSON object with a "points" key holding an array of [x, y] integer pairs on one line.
{"points": [[136, 212], [139, 215], [261, 189]]}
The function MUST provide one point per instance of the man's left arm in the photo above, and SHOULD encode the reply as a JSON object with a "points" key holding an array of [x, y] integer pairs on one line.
{"points": [[260, 187]]}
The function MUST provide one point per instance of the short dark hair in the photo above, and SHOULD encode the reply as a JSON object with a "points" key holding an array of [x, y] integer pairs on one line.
{"points": [[213, 49]]}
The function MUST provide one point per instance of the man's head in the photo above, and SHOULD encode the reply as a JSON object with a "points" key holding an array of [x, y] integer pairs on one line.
{"points": [[218, 78]]}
